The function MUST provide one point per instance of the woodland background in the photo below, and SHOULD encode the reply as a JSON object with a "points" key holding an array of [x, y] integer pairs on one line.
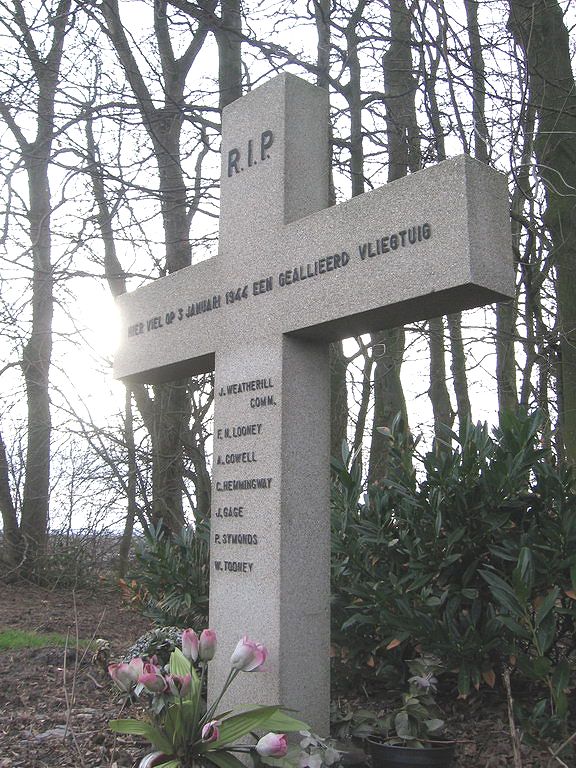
{"points": [[109, 155]]}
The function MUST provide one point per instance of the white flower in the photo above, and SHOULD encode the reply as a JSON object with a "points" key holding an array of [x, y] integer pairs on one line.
{"points": [[310, 761], [427, 682]]}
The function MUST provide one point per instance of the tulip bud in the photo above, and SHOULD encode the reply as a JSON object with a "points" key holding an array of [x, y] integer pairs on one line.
{"points": [[179, 685], [190, 644], [207, 645], [272, 745], [210, 731], [137, 664], [152, 679], [124, 675], [248, 655]]}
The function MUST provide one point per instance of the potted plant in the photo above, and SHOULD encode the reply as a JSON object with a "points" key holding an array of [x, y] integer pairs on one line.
{"points": [[411, 734], [185, 732]]}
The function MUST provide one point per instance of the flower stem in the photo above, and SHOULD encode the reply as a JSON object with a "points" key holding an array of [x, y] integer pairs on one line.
{"points": [[210, 713]]}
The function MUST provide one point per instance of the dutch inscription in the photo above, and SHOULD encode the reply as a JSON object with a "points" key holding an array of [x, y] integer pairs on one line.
{"points": [[396, 240], [291, 275]]}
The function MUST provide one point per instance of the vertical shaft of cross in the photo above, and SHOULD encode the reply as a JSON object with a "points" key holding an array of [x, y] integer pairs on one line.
{"points": [[270, 526]]}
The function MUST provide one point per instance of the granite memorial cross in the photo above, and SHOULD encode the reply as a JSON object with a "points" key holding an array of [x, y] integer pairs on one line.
{"points": [[292, 275]]}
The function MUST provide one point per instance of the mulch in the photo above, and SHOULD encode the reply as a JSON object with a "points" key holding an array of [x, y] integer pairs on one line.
{"points": [[55, 703]]}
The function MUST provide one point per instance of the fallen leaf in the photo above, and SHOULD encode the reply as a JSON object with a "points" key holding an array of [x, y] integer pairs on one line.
{"points": [[489, 677]]}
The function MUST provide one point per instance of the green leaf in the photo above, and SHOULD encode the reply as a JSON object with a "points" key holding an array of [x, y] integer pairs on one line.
{"points": [[561, 702], [540, 708], [546, 632], [237, 725], [514, 627], [402, 725], [464, 680], [526, 567], [546, 607], [561, 676], [541, 666], [290, 759], [573, 575], [503, 593], [283, 723], [170, 764], [435, 724], [140, 728], [223, 759], [179, 664]]}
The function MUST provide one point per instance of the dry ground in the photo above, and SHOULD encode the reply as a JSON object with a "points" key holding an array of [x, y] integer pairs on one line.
{"points": [[55, 705]]}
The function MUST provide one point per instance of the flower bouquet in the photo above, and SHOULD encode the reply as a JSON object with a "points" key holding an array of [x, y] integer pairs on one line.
{"points": [[185, 732]]}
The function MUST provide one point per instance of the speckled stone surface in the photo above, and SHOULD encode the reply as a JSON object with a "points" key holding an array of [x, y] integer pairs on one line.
{"points": [[291, 275]]}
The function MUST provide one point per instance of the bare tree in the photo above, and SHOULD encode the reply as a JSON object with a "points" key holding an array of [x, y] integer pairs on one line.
{"points": [[168, 414], [38, 40], [539, 29]]}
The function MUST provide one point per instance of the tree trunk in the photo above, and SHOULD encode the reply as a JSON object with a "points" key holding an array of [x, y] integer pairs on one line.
{"points": [[228, 37], [365, 393], [538, 28], [36, 358], [403, 155], [12, 538], [37, 353], [389, 401], [126, 540], [458, 368], [438, 391]]}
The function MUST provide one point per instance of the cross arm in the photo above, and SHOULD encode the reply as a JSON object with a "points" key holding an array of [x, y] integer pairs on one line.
{"points": [[432, 243]]}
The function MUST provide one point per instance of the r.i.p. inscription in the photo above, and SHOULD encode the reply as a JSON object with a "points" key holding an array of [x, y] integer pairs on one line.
{"points": [[291, 275]]}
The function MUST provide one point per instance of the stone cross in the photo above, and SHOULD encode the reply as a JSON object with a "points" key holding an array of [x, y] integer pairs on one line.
{"points": [[290, 276]]}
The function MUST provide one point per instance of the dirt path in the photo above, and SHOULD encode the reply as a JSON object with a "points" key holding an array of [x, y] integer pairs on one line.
{"points": [[55, 705]]}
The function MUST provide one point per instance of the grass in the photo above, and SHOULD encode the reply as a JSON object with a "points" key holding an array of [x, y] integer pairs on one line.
{"points": [[15, 639]]}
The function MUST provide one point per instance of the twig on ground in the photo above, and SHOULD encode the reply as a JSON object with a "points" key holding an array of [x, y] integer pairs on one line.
{"points": [[71, 699], [511, 723], [557, 751], [557, 759], [96, 683]]}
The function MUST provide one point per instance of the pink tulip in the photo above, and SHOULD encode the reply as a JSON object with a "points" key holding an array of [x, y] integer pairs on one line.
{"points": [[272, 745], [190, 644], [179, 685], [211, 732], [207, 645], [248, 655], [124, 675], [137, 664], [152, 679]]}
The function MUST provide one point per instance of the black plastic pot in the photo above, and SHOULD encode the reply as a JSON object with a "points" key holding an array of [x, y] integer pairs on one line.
{"points": [[152, 759], [439, 755]]}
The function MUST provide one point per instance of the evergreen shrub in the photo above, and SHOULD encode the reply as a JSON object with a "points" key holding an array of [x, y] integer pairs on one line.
{"points": [[170, 578], [475, 563]]}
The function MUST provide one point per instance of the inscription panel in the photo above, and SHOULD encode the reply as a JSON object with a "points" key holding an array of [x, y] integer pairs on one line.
{"points": [[241, 476]]}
